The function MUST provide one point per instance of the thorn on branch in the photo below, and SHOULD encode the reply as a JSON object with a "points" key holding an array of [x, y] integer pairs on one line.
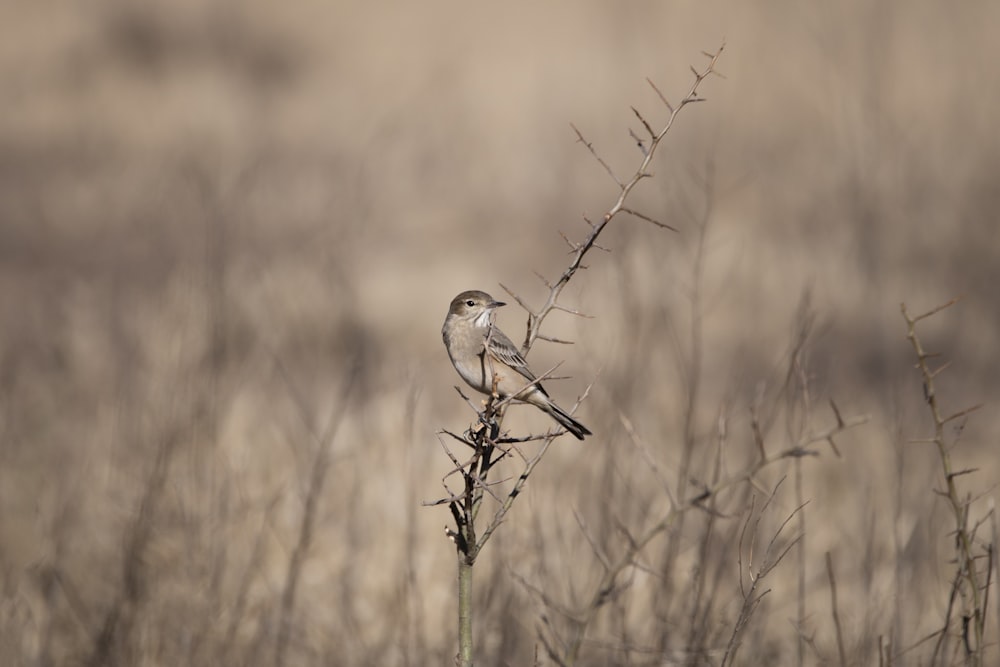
{"points": [[644, 123], [961, 413], [642, 216], [593, 152], [571, 311], [573, 246], [514, 440], [456, 437], [663, 99], [542, 278], [638, 142], [932, 311], [552, 339], [518, 299]]}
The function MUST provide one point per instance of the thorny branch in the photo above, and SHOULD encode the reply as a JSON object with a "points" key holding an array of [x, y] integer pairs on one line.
{"points": [[967, 580], [580, 250], [486, 437]]}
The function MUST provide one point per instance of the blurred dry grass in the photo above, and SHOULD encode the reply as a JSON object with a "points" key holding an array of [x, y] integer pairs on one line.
{"points": [[211, 213]]}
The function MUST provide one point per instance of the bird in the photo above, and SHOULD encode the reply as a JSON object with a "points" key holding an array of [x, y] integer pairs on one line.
{"points": [[479, 351]]}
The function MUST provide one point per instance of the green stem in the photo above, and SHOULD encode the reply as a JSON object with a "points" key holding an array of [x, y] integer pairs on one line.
{"points": [[464, 611]]}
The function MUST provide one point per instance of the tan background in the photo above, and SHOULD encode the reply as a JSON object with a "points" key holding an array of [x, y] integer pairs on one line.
{"points": [[211, 213]]}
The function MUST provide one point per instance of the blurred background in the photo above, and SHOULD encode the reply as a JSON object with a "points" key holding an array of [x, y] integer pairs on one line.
{"points": [[229, 233]]}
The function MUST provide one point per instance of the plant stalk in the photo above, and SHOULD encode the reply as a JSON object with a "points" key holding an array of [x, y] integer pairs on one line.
{"points": [[464, 611]]}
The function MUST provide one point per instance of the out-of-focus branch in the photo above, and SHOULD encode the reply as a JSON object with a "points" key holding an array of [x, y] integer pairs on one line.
{"points": [[752, 595], [967, 579], [317, 479], [607, 584]]}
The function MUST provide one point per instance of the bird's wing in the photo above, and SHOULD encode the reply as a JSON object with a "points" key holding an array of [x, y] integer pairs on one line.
{"points": [[503, 350]]}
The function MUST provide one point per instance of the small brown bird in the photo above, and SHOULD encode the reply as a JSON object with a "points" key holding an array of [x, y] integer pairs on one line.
{"points": [[478, 349]]}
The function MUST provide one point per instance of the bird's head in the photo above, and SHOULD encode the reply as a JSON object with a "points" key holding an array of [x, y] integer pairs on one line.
{"points": [[474, 306]]}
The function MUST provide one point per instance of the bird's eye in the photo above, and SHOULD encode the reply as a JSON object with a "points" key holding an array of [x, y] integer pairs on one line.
{"points": [[470, 303]]}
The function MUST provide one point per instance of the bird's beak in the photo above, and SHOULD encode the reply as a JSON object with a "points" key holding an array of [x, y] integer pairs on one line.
{"points": [[496, 304]]}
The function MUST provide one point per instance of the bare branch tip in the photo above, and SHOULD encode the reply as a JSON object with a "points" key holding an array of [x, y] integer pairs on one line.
{"points": [[929, 313]]}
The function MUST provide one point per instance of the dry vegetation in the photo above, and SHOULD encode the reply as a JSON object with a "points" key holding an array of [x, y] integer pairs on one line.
{"points": [[229, 233]]}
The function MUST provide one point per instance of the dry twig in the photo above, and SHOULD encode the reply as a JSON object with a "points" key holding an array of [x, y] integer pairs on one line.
{"points": [[967, 587]]}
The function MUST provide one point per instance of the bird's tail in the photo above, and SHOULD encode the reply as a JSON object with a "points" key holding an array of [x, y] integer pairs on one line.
{"points": [[566, 421]]}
